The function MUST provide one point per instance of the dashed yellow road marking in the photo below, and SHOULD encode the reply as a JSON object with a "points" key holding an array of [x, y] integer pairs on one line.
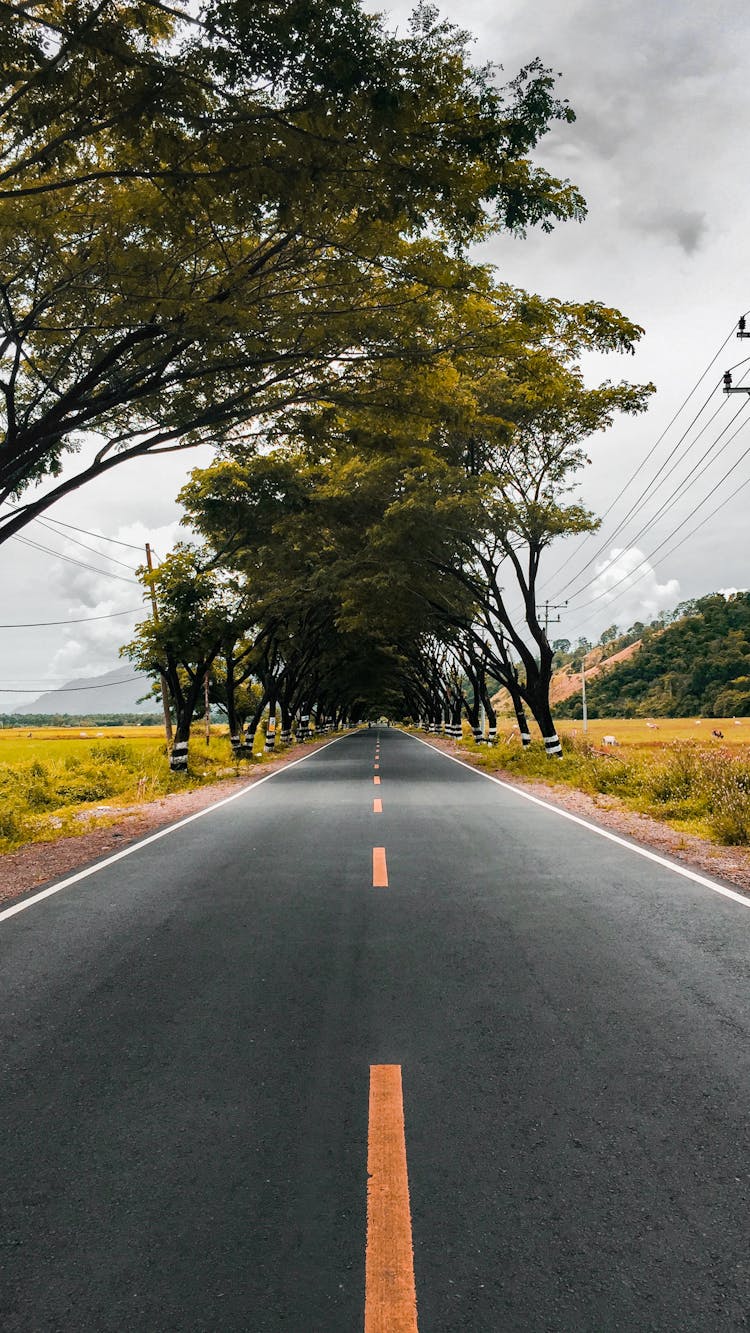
{"points": [[390, 1292], [377, 806], [379, 868]]}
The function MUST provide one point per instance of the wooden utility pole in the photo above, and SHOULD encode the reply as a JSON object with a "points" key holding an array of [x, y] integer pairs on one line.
{"points": [[162, 682], [583, 694]]}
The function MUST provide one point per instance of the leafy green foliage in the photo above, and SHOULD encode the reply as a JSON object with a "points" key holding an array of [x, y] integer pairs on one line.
{"points": [[206, 216], [697, 665]]}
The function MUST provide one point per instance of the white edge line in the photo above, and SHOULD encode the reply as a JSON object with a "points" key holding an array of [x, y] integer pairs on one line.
{"points": [[593, 828], [162, 833]]}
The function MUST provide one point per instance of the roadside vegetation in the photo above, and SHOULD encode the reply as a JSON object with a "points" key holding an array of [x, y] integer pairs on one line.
{"points": [[693, 786], [56, 783], [694, 660]]}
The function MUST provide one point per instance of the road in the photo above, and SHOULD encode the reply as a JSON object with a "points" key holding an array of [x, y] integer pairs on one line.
{"points": [[203, 1041]]}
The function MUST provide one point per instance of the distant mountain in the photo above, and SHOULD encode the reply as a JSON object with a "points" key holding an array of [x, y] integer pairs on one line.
{"points": [[115, 692]]}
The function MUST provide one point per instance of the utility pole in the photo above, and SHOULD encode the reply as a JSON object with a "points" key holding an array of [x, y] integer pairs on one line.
{"points": [[207, 710], [547, 618], [583, 694], [164, 694]]}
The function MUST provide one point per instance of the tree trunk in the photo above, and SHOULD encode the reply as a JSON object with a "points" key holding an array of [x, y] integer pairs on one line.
{"points": [[286, 724], [235, 730], [271, 728], [491, 716], [539, 704], [521, 719], [252, 726], [185, 707]]}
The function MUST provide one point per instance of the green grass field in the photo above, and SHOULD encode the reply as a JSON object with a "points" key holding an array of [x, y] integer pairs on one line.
{"points": [[56, 781]]}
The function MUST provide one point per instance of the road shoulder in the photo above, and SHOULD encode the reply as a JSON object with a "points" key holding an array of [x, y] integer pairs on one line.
{"points": [[730, 864]]}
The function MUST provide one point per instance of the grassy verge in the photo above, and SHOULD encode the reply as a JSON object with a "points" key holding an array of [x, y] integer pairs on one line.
{"points": [[57, 784], [694, 789]]}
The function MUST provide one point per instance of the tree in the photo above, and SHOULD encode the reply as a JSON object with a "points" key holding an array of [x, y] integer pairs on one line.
{"points": [[206, 217], [491, 488], [199, 608]]}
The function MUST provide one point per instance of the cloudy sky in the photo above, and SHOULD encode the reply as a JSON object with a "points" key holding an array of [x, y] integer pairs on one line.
{"points": [[659, 149]]}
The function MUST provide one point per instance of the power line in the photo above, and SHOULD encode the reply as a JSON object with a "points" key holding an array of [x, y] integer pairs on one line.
{"points": [[677, 529], [70, 560], [58, 522], [644, 493], [680, 543], [115, 540], [76, 689], [557, 592], [75, 620], [85, 546], [686, 484]]}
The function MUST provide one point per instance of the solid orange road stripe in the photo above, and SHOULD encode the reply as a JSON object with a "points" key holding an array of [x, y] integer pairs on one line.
{"points": [[377, 806], [379, 868], [376, 781], [390, 1294]]}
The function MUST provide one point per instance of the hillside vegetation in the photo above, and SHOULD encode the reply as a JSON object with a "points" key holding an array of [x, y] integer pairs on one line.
{"points": [[697, 666]]}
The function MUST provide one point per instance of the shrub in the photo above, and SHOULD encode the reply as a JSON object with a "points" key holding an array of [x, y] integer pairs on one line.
{"points": [[726, 784]]}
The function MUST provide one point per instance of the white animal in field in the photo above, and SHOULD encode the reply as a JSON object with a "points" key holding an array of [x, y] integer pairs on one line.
{"points": [[609, 740], [652, 726]]}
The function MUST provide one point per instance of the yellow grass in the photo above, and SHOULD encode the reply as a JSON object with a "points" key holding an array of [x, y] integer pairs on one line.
{"points": [[663, 730], [57, 781], [20, 745], [675, 769]]}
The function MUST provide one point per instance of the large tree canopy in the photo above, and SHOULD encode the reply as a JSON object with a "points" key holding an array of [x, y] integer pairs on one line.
{"points": [[206, 216]]}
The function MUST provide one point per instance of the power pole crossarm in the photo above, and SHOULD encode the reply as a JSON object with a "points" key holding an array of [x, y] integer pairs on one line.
{"points": [[544, 614], [742, 332], [734, 388]]}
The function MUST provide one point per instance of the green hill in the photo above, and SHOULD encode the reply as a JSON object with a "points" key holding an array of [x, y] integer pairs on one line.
{"points": [[697, 666]]}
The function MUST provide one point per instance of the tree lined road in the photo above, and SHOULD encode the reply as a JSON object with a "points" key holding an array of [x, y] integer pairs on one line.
{"points": [[188, 1037]]}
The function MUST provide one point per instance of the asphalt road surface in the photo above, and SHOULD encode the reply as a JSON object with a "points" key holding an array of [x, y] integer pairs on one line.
{"points": [[206, 1042]]}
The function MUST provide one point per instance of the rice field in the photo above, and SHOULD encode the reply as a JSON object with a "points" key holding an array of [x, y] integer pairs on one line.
{"points": [[57, 781], [661, 730]]}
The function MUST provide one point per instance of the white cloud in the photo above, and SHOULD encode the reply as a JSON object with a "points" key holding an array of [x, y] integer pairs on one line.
{"points": [[93, 647], [629, 589]]}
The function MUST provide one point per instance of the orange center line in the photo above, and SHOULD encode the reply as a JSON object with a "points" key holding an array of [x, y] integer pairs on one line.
{"points": [[376, 780], [379, 868], [377, 806], [377, 765], [390, 1291]]}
